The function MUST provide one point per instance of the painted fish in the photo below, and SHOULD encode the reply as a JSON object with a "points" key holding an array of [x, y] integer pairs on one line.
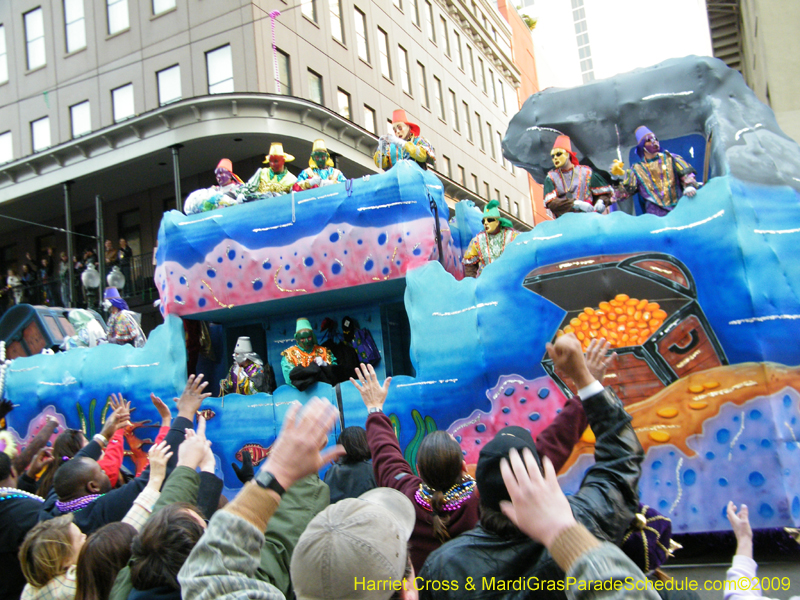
{"points": [[206, 413], [257, 452]]}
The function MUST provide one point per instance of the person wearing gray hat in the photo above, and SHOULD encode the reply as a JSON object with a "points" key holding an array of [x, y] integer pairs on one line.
{"points": [[495, 555]]}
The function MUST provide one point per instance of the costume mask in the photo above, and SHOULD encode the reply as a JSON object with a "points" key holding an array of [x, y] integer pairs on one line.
{"points": [[491, 225], [651, 144], [223, 176], [276, 163], [320, 158], [106, 305], [559, 157], [401, 130], [305, 341], [239, 357]]}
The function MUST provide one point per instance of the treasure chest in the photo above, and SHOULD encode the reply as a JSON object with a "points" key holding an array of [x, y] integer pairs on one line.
{"points": [[646, 303]]}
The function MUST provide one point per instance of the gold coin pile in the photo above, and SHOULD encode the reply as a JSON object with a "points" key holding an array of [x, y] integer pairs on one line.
{"points": [[623, 321]]}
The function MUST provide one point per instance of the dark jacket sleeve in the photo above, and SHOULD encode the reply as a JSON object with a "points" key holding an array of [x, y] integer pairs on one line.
{"points": [[559, 438], [208, 494], [608, 498], [26, 483], [390, 468]]}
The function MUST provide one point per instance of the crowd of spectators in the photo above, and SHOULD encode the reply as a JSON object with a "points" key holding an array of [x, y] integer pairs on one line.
{"points": [[74, 523]]}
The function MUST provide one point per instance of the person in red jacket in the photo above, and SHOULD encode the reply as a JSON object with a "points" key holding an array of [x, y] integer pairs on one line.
{"points": [[444, 495]]}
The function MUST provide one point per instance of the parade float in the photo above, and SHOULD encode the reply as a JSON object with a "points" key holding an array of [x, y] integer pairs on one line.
{"points": [[707, 358]]}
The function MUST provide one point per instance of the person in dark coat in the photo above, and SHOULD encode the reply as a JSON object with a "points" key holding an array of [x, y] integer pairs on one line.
{"points": [[496, 550], [352, 475]]}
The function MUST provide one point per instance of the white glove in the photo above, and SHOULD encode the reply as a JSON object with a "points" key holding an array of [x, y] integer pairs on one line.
{"points": [[320, 361], [583, 206], [689, 191], [315, 180], [325, 182], [599, 206], [393, 139]]}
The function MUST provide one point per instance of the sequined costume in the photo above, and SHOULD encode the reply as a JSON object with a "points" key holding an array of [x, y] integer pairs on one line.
{"points": [[265, 183], [124, 329], [485, 248], [331, 174], [297, 357], [579, 183], [245, 380], [660, 181], [417, 148]]}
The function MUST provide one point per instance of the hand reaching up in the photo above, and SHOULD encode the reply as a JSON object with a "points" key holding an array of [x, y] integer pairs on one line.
{"points": [[567, 355], [740, 522], [192, 396], [596, 360], [245, 473], [117, 402], [372, 393], [193, 449], [159, 455], [163, 410]]}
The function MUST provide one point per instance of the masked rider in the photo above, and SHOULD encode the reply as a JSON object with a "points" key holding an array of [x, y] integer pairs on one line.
{"points": [[571, 186], [307, 362], [274, 180], [320, 171], [247, 374], [405, 144], [489, 244]]}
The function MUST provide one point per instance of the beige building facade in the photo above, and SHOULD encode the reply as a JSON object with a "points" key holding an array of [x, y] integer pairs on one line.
{"points": [[121, 98]]}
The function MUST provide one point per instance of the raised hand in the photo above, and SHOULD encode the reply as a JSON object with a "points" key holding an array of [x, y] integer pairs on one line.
{"points": [[117, 402], [43, 458], [159, 455], [163, 410], [297, 451], [372, 393], [193, 449], [245, 473], [596, 360], [192, 396], [567, 355], [740, 522], [538, 507]]}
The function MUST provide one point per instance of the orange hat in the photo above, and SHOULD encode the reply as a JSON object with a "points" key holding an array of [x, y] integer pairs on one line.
{"points": [[226, 164], [564, 143], [399, 116]]}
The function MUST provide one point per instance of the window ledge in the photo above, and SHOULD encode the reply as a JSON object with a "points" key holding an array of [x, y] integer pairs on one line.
{"points": [[428, 108], [118, 33], [34, 70], [74, 52], [166, 12], [366, 62], [409, 95], [389, 79], [312, 21], [342, 44]]}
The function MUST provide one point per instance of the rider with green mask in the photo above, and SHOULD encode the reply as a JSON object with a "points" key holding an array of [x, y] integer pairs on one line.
{"points": [[320, 171], [307, 362]]}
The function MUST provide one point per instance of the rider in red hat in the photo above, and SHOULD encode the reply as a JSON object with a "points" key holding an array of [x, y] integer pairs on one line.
{"points": [[406, 143], [571, 186]]}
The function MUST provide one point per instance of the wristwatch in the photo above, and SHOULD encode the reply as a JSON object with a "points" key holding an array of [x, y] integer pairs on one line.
{"points": [[267, 481], [374, 409]]}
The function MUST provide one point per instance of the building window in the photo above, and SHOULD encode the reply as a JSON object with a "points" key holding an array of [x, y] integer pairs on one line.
{"points": [[467, 120], [361, 35], [582, 36], [502, 87], [423, 86], [284, 83], [405, 73], [122, 102], [445, 35], [457, 46], [475, 182], [462, 176], [6, 147], [494, 88], [516, 209], [508, 204], [487, 191], [429, 21], [3, 56], [491, 139], [437, 90], [169, 85], [496, 195], [75, 25], [81, 118], [398, 4], [500, 150], [454, 111], [383, 49], [219, 70], [370, 122], [40, 134], [414, 4], [471, 63], [446, 164], [480, 129], [309, 9], [162, 6], [344, 103], [337, 29], [315, 87], [483, 76], [117, 16], [34, 38]]}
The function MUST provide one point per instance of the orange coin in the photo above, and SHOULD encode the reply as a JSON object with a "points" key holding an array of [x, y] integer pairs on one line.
{"points": [[710, 385], [605, 306], [696, 388], [698, 405], [575, 322], [584, 326], [619, 310], [637, 316], [647, 315], [594, 325], [622, 318], [588, 311], [588, 436], [641, 305], [633, 332], [659, 436], [624, 339], [568, 329], [659, 314], [594, 319], [583, 317], [604, 320], [632, 302], [667, 413], [621, 297], [654, 323], [651, 306], [581, 336], [612, 316]]}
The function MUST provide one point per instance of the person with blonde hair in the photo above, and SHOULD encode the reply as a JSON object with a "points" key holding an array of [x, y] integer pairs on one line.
{"points": [[48, 557]]}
